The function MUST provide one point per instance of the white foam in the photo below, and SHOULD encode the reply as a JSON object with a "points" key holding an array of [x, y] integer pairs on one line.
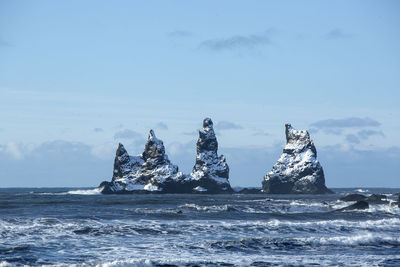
{"points": [[199, 189], [212, 208], [365, 238], [129, 262], [95, 191], [362, 190]]}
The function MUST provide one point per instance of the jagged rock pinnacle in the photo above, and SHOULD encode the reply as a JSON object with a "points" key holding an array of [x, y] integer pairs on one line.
{"points": [[148, 171], [210, 170], [297, 171]]}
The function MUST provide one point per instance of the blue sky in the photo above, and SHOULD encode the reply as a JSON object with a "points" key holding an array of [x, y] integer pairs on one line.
{"points": [[77, 77]]}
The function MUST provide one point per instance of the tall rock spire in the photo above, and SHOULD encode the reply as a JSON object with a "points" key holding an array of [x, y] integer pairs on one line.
{"points": [[210, 170], [297, 171]]}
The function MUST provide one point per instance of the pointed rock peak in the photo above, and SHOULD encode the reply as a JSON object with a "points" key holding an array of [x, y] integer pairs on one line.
{"points": [[210, 172], [296, 136], [207, 140], [207, 124], [121, 150], [120, 162], [153, 139], [152, 135], [154, 148]]}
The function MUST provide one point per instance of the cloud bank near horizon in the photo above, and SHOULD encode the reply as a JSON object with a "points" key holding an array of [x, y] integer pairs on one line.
{"points": [[72, 164]]}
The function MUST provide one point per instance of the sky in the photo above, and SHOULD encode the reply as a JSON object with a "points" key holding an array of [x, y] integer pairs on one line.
{"points": [[78, 77]]}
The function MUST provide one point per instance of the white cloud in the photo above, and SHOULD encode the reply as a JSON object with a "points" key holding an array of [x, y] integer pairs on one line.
{"points": [[227, 125], [127, 134], [14, 150]]}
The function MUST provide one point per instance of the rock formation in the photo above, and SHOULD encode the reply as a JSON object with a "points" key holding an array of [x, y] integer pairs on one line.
{"points": [[297, 171], [211, 172], [372, 199], [359, 205], [153, 172], [353, 197], [150, 171]]}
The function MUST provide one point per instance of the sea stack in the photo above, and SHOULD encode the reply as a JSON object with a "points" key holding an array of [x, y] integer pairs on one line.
{"points": [[297, 171], [150, 171], [210, 173]]}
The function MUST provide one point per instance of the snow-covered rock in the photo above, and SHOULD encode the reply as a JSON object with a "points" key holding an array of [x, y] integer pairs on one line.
{"points": [[210, 172], [150, 171], [297, 171]]}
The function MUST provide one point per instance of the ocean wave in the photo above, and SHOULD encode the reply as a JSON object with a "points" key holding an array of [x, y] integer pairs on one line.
{"points": [[363, 239], [210, 208], [195, 230], [256, 244], [362, 190], [95, 191], [57, 228]]}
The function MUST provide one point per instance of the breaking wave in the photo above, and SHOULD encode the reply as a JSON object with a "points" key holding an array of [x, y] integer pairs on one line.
{"points": [[84, 228]]}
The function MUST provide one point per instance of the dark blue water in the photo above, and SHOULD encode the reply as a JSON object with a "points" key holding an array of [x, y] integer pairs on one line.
{"points": [[82, 227]]}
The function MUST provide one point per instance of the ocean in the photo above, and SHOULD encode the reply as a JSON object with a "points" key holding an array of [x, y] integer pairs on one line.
{"points": [[67, 226]]}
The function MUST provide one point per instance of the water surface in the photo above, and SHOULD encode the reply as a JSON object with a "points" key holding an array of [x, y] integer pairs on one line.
{"points": [[65, 226]]}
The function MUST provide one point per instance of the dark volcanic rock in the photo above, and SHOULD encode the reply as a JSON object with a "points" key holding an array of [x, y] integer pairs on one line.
{"points": [[353, 197], [397, 203], [377, 199], [151, 171], [359, 205], [297, 171], [211, 172], [372, 199], [250, 191]]}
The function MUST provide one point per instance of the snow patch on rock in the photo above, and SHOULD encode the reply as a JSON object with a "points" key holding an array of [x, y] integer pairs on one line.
{"points": [[297, 170], [210, 170], [145, 172]]}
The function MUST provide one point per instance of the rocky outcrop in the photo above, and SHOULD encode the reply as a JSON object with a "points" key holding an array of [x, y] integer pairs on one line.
{"points": [[372, 199], [377, 199], [396, 203], [353, 197], [297, 171], [150, 171], [250, 191], [211, 172], [359, 205]]}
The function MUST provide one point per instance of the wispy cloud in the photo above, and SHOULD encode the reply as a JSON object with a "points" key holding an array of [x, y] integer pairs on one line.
{"points": [[354, 129], [161, 126], [76, 164], [337, 33], [353, 139], [227, 125], [98, 130], [238, 42], [353, 122], [14, 150], [127, 134], [333, 131], [180, 34], [365, 134]]}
